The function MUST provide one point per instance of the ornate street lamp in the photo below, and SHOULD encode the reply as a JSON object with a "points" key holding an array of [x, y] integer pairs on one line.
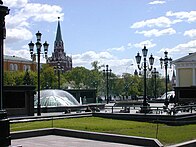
{"points": [[3, 12], [155, 73], [144, 66], [5, 138], [107, 73], [58, 69], [165, 63], [38, 46]]}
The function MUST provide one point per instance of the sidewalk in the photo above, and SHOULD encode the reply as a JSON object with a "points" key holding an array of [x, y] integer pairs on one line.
{"points": [[59, 141]]}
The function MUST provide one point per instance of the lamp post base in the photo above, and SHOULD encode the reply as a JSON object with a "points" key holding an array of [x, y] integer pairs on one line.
{"points": [[166, 103], [145, 108], [5, 138]]}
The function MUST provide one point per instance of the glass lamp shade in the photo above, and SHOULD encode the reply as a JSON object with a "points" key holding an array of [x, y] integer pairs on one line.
{"points": [[31, 47], [138, 58], [153, 72], [55, 69], [166, 53], [38, 35], [62, 69], [151, 60], [144, 51], [170, 62], [45, 46], [58, 64], [104, 72], [161, 62], [110, 72], [38, 45]]}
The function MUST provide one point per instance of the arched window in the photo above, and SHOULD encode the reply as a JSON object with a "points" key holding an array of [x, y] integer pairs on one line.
{"points": [[29, 67], [24, 67], [15, 67], [11, 67]]}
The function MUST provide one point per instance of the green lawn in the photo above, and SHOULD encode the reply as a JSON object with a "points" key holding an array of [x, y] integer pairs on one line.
{"points": [[167, 135]]}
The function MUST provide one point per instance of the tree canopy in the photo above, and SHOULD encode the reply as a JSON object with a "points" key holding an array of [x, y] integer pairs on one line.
{"points": [[83, 78]]}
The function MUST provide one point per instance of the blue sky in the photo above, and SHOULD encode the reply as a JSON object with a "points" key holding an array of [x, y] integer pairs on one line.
{"points": [[109, 31]]}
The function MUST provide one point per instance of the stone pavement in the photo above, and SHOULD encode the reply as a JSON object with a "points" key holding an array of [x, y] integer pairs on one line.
{"points": [[60, 141]]}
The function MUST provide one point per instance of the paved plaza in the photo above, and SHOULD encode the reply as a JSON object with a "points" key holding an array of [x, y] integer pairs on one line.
{"points": [[59, 141]]}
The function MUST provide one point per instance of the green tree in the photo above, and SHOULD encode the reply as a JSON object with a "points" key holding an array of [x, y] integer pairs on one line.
{"points": [[27, 79], [48, 78], [79, 75], [9, 78]]}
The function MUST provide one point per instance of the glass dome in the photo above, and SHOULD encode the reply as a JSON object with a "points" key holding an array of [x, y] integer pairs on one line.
{"points": [[55, 98]]}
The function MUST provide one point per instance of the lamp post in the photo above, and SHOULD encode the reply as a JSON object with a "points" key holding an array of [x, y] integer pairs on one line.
{"points": [[138, 60], [58, 69], [164, 63], [155, 74], [3, 12], [38, 46], [107, 73], [5, 138]]}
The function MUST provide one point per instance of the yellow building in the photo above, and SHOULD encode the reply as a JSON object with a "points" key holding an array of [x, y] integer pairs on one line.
{"points": [[14, 63], [185, 90], [186, 71]]}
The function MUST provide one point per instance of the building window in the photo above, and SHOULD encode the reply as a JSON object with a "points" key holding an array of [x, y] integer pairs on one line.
{"points": [[15, 67], [24, 67], [28, 67], [11, 67]]}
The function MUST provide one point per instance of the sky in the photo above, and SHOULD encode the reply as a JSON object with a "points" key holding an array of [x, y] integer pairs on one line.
{"points": [[109, 31]]}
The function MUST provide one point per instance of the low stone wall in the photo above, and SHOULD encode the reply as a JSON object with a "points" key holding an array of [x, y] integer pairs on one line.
{"points": [[167, 119], [132, 140], [191, 143]]}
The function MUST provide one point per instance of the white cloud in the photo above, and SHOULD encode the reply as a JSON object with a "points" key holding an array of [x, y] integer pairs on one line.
{"points": [[90, 56], [156, 22], [49, 13], [122, 48], [157, 33], [15, 3], [190, 33], [156, 2], [17, 34], [164, 21], [24, 53], [182, 48], [118, 66], [187, 16], [24, 14], [147, 43]]}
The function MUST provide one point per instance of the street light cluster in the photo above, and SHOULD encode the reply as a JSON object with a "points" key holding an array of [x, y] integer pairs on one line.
{"points": [[155, 73], [58, 69], [165, 63], [38, 46], [107, 73], [144, 66]]}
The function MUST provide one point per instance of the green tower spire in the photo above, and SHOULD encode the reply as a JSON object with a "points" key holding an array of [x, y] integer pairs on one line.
{"points": [[58, 34]]}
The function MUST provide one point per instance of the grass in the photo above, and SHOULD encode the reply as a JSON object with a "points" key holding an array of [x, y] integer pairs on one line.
{"points": [[167, 135]]}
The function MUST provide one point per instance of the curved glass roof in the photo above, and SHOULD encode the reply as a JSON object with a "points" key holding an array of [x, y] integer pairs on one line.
{"points": [[55, 98]]}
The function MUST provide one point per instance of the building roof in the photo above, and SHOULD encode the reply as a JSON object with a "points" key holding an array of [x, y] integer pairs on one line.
{"points": [[58, 34], [191, 57], [15, 58]]}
